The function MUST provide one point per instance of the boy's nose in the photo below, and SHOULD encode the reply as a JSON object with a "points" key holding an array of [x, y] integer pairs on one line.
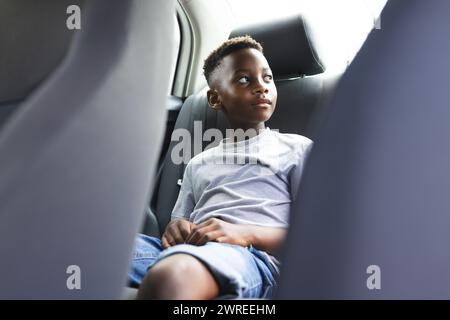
{"points": [[261, 87]]}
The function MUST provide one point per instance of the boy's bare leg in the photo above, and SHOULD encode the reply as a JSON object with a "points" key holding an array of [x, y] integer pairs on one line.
{"points": [[179, 276]]}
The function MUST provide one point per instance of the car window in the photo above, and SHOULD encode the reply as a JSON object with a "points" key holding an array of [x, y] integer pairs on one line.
{"points": [[176, 41]]}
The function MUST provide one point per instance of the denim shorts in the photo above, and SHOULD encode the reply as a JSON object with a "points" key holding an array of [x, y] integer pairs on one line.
{"points": [[241, 272]]}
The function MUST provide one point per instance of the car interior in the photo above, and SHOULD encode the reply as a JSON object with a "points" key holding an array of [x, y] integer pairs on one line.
{"points": [[80, 148], [381, 159], [302, 91], [87, 117]]}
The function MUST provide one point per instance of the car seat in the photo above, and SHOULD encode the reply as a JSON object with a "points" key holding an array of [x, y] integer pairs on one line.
{"points": [[372, 219], [79, 152]]}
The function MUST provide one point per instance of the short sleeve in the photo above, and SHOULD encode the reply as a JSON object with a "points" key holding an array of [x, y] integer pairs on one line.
{"points": [[296, 173], [185, 202]]}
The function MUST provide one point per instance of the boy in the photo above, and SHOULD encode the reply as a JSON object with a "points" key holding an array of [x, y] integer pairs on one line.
{"points": [[230, 217]]}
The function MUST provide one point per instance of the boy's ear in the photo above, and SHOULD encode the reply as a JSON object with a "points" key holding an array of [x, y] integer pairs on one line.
{"points": [[214, 99]]}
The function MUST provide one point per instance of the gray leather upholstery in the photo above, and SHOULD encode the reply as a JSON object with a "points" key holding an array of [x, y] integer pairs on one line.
{"points": [[78, 156], [298, 99], [375, 190], [30, 51]]}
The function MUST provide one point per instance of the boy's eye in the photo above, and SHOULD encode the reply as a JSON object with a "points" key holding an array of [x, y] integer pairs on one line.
{"points": [[268, 77], [243, 80]]}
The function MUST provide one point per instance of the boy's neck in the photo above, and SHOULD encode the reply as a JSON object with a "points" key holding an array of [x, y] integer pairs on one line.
{"points": [[250, 130], [256, 127]]}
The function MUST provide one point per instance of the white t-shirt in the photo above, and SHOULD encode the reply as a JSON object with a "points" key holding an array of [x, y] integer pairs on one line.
{"points": [[247, 182]]}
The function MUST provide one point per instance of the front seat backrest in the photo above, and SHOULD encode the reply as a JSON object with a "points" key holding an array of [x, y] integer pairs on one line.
{"points": [[372, 219], [27, 55], [78, 156]]}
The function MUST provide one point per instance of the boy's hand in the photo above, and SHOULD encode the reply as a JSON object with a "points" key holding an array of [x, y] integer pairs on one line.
{"points": [[177, 231], [220, 231]]}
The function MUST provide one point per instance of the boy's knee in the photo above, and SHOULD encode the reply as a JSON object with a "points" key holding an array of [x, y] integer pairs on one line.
{"points": [[171, 278]]}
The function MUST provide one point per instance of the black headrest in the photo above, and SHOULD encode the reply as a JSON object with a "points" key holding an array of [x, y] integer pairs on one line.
{"points": [[35, 40], [288, 46]]}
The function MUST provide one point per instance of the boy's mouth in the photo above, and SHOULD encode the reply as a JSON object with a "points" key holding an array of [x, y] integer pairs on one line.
{"points": [[263, 103]]}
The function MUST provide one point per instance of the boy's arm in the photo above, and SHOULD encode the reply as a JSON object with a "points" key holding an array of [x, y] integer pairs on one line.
{"points": [[268, 239]]}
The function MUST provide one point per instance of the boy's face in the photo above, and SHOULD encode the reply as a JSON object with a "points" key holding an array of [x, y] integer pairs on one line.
{"points": [[243, 87]]}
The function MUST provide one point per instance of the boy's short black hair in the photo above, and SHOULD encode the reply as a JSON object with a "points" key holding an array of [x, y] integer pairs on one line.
{"points": [[229, 46]]}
